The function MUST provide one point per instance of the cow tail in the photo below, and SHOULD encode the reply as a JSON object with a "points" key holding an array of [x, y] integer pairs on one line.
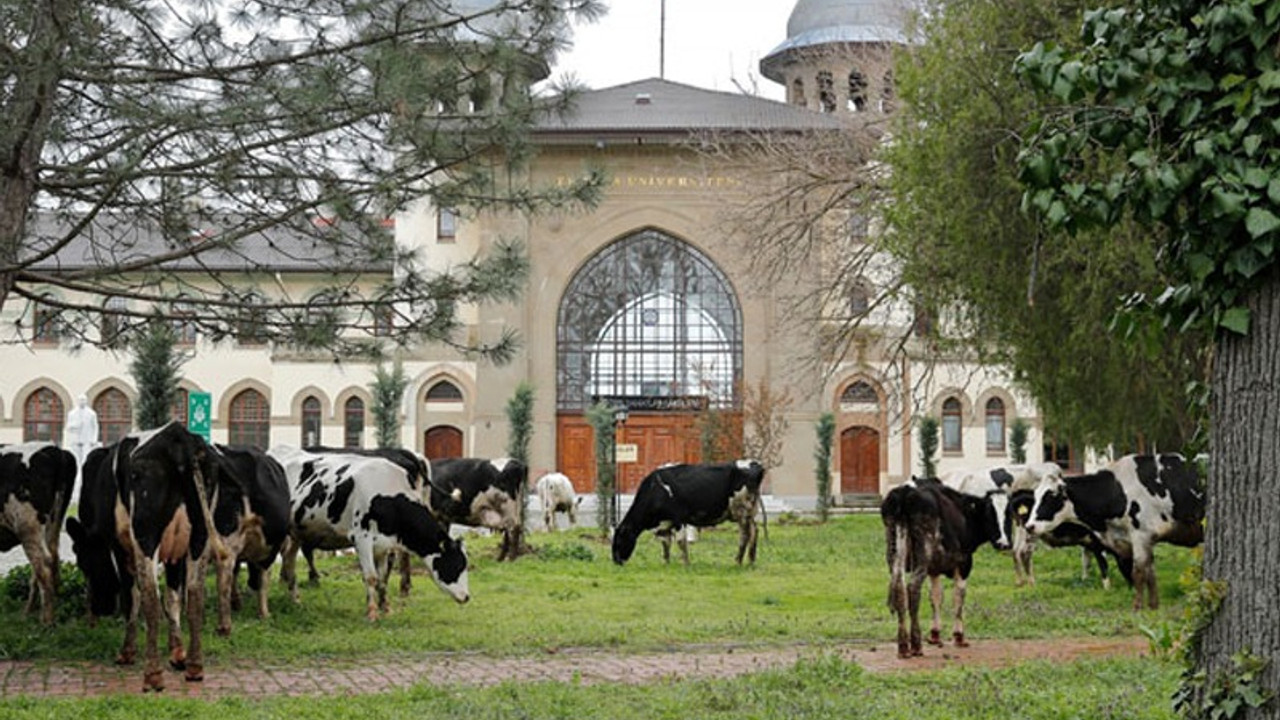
{"points": [[899, 561]]}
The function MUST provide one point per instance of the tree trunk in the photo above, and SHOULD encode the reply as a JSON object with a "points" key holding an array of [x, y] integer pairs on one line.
{"points": [[1242, 542]]}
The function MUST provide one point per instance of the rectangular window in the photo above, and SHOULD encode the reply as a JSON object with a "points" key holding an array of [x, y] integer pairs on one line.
{"points": [[446, 226], [995, 434], [951, 434]]}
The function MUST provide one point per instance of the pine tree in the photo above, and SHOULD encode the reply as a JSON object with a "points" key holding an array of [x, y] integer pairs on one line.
{"points": [[822, 468], [156, 370], [388, 388]]}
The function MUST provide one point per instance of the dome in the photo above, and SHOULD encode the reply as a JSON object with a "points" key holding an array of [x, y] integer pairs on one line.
{"points": [[824, 22]]}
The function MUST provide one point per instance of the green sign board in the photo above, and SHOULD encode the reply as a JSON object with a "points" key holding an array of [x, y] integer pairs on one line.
{"points": [[199, 413]]}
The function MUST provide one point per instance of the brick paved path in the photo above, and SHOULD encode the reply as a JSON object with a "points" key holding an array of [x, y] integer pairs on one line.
{"points": [[257, 679]]}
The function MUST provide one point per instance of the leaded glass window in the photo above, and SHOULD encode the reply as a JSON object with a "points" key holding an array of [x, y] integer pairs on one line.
{"points": [[649, 316]]}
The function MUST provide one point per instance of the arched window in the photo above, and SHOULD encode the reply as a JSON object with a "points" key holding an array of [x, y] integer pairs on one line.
{"points": [[649, 316], [353, 423], [115, 415], [826, 92], [446, 225], [251, 320], [178, 411], [797, 93], [250, 420], [42, 417], [859, 393], [995, 425], [857, 91], [951, 436], [444, 391], [310, 421]]}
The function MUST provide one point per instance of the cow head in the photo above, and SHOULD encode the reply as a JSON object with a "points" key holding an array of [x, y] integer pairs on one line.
{"points": [[624, 541], [998, 523], [449, 568], [1051, 507]]}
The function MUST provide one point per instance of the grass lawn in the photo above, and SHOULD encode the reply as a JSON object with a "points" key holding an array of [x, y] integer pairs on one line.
{"points": [[813, 584]]}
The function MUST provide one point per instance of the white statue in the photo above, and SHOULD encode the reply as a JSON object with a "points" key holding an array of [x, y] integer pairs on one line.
{"points": [[82, 429]]}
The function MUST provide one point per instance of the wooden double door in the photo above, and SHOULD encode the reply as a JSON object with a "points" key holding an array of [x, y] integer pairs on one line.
{"points": [[859, 460], [659, 438]]}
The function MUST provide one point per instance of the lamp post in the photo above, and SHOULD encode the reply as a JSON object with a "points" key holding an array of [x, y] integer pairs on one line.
{"points": [[619, 418]]}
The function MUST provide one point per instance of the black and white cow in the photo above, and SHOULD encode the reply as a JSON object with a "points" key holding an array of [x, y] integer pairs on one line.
{"points": [[146, 502], [1132, 504], [341, 501], [932, 530], [419, 473], [481, 493], [1064, 535], [36, 480], [1002, 482], [674, 496], [556, 495], [251, 516]]}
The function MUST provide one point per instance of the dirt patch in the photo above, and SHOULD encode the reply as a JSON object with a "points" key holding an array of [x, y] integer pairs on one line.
{"points": [[576, 665]]}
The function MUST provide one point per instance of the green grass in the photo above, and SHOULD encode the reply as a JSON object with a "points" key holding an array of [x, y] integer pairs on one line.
{"points": [[821, 688], [821, 585], [812, 584]]}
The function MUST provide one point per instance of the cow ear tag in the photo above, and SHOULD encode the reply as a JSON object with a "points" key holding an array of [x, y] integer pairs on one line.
{"points": [[1022, 511]]}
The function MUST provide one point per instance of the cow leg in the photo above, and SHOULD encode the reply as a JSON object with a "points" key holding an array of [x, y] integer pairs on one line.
{"points": [[958, 593], [913, 605], [132, 601], [1023, 546], [384, 564], [1101, 560], [1144, 577], [225, 571], [665, 537], [935, 602], [406, 572], [369, 571], [313, 575], [289, 567], [173, 623], [682, 538], [195, 619], [42, 581], [1084, 564], [259, 578], [149, 600]]}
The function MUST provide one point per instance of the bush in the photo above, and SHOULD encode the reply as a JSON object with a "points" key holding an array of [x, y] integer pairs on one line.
{"points": [[71, 590]]}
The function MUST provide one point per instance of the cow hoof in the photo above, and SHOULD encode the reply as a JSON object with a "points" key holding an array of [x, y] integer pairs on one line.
{"points": [[224, 631], [935, 638], [195, 673], [917, 651], [153, 682], [960, 641], [125, 659]]}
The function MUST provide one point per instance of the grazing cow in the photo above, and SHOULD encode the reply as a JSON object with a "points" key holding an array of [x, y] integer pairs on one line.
{"points": [[341, 501], [1066, 534], [419, 472], [482, 493], [36, 480], [932, 530], [555, 492], [251, 517], [697, 495], [1132, 504], [1007, 480], [146, 501]]}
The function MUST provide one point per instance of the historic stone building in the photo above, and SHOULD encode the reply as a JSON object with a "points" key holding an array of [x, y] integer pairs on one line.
{"points": [[644, 303]]}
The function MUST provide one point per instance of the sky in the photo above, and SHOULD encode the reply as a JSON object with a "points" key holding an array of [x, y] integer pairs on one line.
{"points": [[709, 43]]}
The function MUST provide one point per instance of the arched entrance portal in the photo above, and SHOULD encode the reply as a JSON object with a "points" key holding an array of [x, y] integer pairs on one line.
{"points": [[859, 460], [442, 441], [649, 323]]}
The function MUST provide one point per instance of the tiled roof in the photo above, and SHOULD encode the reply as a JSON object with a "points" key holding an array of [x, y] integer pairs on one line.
{"points": [[657, 106], [111, 241]]}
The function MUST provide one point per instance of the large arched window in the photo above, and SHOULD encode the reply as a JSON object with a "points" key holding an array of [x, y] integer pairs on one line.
{"points": [[42, 417], [115, 415], [995, 425], [648, 316], [951, 436], [250, 419], [310, 421], [353, 423], [860, 393]]}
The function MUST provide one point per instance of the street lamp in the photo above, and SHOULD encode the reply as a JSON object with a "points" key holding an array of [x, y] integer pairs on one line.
{"points": [[619, 417]]}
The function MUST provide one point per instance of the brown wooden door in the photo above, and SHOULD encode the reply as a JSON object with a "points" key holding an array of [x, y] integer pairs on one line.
{"points": [[442, 441], [860, 460], [660, 439]]}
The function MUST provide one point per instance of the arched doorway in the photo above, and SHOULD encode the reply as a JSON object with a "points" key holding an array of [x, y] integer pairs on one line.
{"points": [[652, 324], [859, 461], [442, 441]]}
